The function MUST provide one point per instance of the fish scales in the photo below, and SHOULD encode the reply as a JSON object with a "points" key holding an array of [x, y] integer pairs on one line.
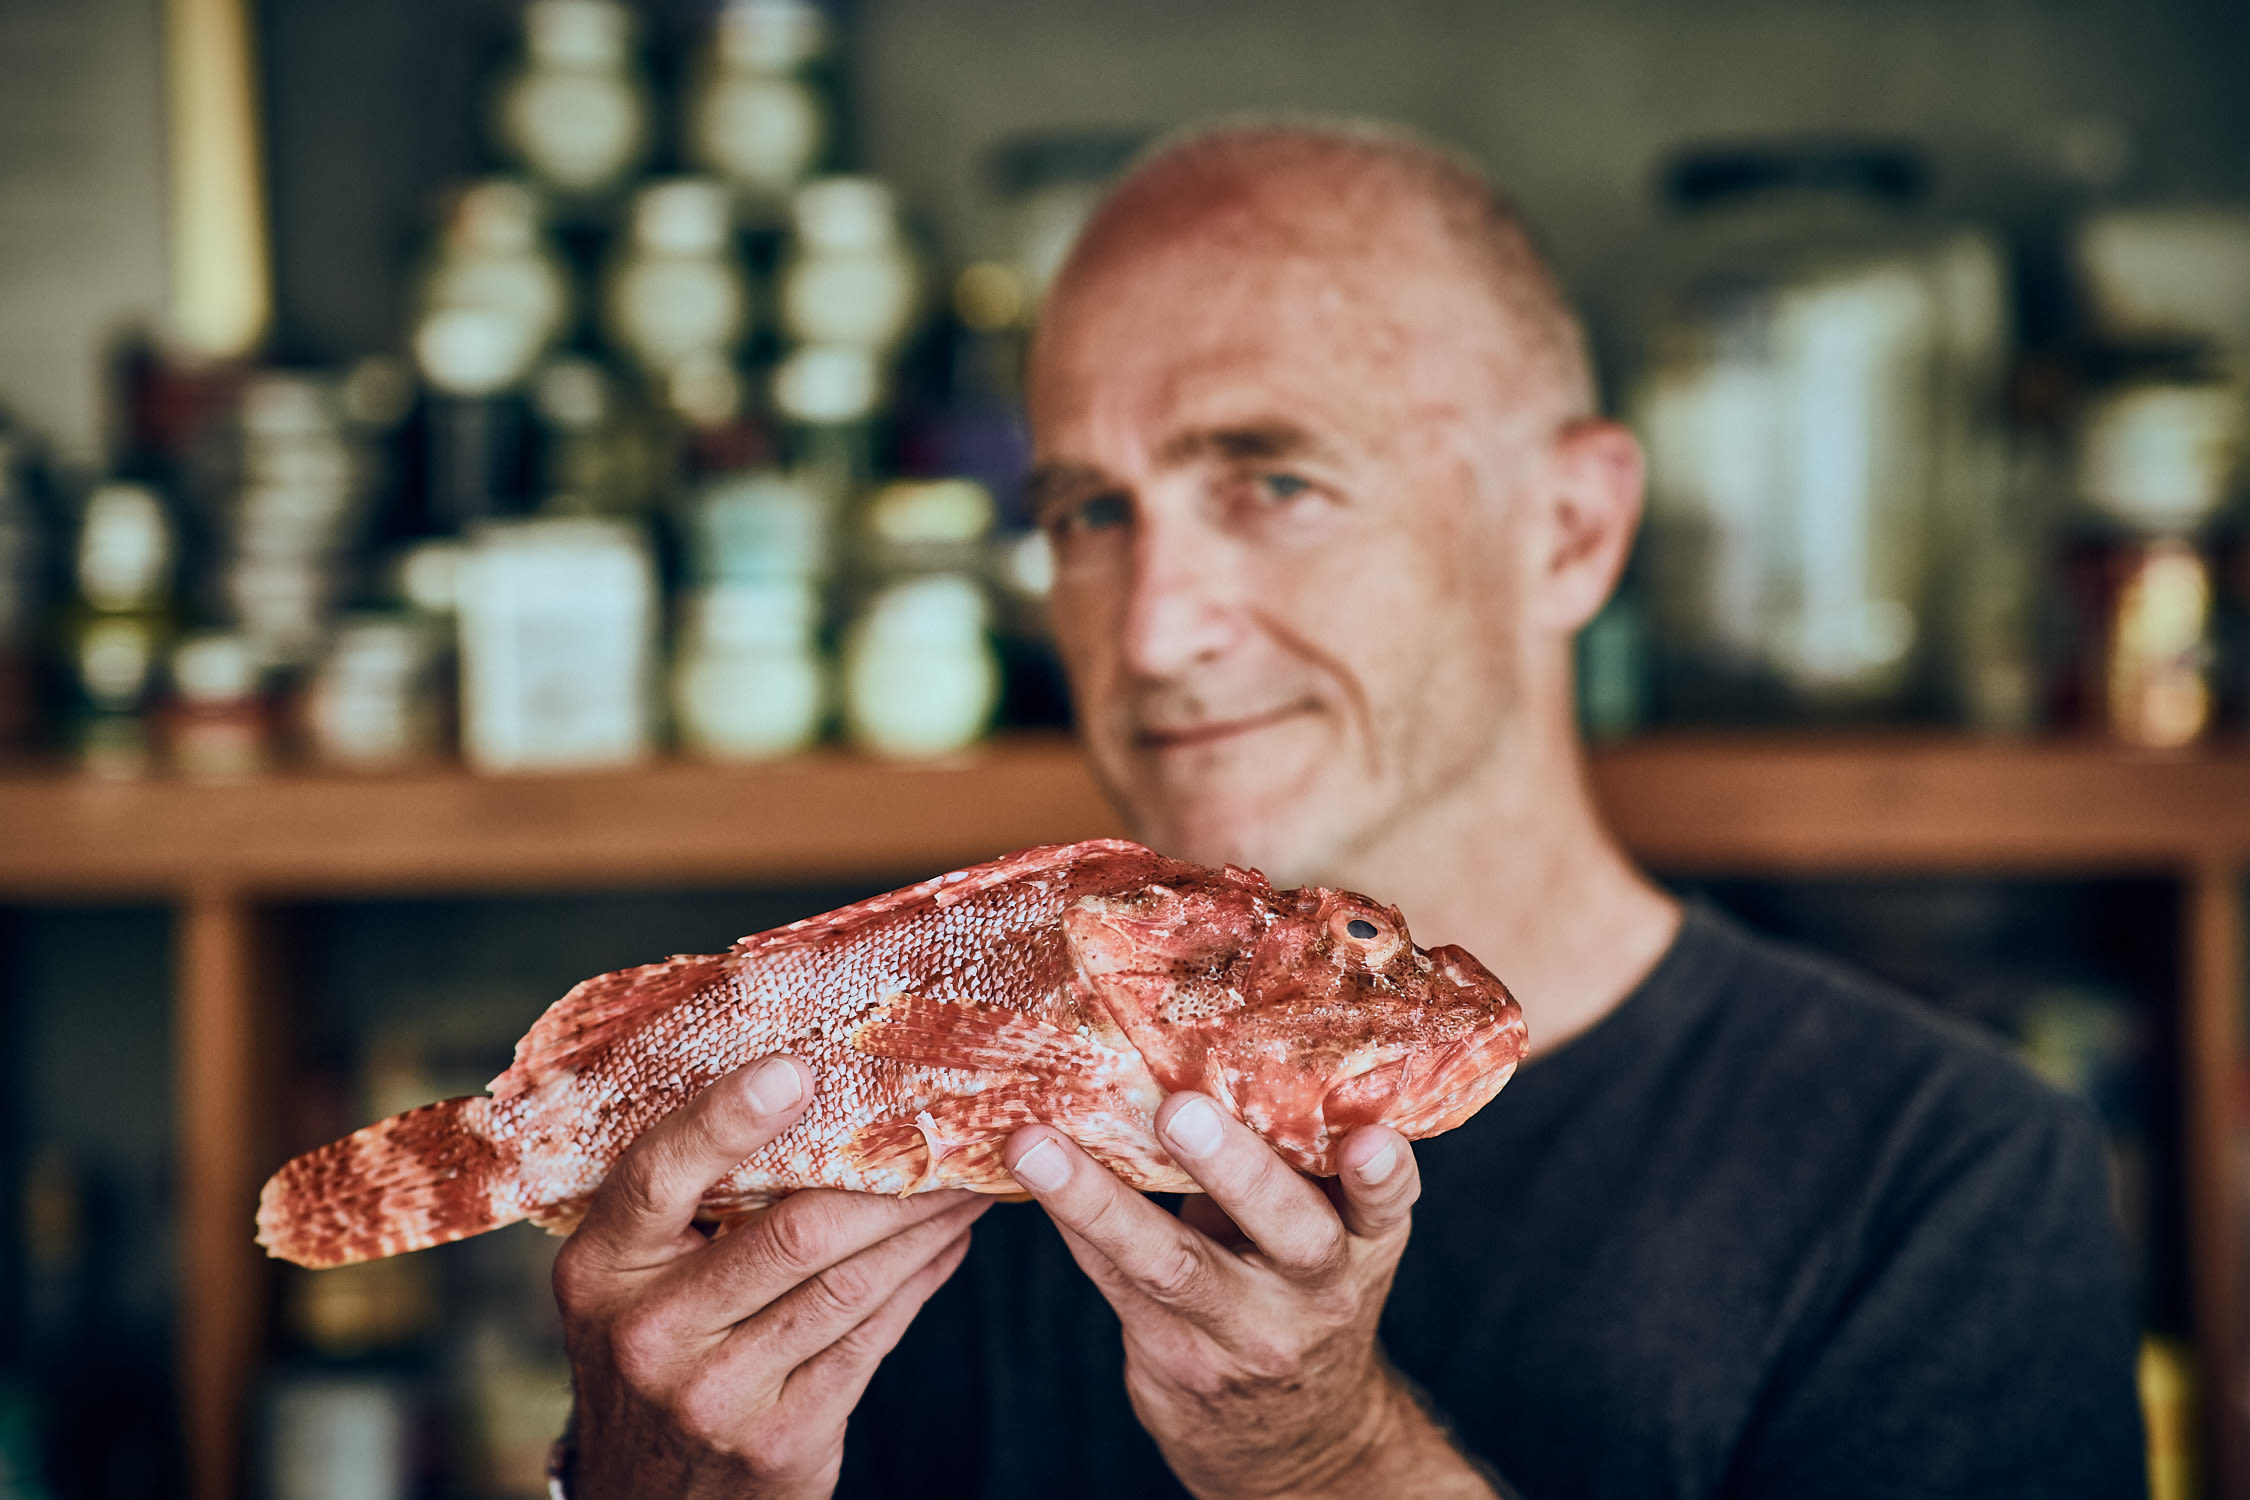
{"points": [[1074, 985]]}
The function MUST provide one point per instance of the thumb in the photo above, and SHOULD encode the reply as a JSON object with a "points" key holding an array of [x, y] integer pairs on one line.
{"points": [[1378, 1181], [643, 1213]]}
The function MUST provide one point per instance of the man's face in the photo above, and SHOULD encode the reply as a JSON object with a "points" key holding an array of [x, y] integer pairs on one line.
{"points": [[1278, 480]]}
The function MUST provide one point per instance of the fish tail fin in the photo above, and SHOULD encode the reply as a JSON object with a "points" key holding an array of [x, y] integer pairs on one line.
{"points": [[422, 1178]]}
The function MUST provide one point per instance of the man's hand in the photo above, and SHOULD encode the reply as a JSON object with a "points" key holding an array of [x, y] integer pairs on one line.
{"points": [[1250, 1320], [728, 1366]]}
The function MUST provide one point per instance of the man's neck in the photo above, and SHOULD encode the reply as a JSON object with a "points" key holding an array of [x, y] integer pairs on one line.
{"points": [[1516, 865]]}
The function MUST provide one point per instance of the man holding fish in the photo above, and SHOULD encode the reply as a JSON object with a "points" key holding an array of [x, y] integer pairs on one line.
{"points": [[1318, 450]]}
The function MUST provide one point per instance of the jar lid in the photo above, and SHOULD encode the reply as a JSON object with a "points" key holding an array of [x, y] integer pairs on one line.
{"points": [[2163, 457], [940, 609], [683, 216], [845, 213], [581, 33], [219, 666], [771, 36], [493, 216], [827, 383], [926, 511], [124, 548]]}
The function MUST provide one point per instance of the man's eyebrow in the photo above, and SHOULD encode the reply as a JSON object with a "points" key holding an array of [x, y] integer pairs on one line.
{"points": [[1052, 483], [1249, 442]]}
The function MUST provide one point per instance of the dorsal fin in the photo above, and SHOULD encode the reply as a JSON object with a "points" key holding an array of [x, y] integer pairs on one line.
{"points": [[941, 891], [598, 1011]]}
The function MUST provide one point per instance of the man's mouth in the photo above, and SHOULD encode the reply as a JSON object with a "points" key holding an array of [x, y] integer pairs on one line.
{"points": [[1213, 731]]}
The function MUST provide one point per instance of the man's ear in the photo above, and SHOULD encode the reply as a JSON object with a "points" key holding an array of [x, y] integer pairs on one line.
{"points": [[1594, 476]]}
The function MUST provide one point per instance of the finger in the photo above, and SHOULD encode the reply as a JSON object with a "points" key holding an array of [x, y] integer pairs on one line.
{"points": [[828, 1386], [641, 1215], [1290, 1221], [778, 1249], [1153, 1252], [833, 1301], [1379, 1181]]}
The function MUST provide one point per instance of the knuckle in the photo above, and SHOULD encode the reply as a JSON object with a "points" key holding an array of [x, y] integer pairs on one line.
{"points": [[1329, 1256], [576, 1283], [797, 1231], [845, 1289], [641, 1342], [704, 1412], [1175, 1274]]}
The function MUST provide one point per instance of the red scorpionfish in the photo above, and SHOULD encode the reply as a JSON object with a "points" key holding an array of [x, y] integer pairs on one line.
{"points": [[1074, 985]]}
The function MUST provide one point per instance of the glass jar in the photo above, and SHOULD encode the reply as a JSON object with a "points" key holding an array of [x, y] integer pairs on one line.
{"points": [[749, 682], [677, 295], [851, 281], [557, 630], [921, 677], [372, 704], [757, 117], [493, 297], [218, 726], [1819, 400], [575, 113]]}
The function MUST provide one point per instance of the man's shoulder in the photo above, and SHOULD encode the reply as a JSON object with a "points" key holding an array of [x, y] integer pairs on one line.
{"points": [[1805, 1024]]}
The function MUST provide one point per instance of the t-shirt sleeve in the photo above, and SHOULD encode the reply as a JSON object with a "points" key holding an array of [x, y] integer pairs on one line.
{"points": [[1980, 1343]]}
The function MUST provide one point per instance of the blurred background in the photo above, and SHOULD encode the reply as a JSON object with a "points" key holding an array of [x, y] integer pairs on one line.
{"points": [[492, 492]]}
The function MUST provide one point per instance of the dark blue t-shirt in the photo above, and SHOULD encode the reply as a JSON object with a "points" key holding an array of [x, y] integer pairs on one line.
{"points": [[1767, 1230]]}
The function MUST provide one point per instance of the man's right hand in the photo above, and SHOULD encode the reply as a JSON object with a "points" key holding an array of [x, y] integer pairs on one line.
{"points": [[728, 1366]]}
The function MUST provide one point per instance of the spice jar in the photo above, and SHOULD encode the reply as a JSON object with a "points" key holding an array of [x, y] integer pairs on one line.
{"points": [[576, 113], [218, 726], [756, 115], [920, 674], [749, 682]]}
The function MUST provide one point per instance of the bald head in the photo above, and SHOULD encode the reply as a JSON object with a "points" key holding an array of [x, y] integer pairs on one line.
{"points": [[1351, 191]]}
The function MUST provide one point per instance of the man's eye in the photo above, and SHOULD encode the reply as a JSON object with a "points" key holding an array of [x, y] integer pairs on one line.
{"points": [[1283, 486], [1100, 513]]}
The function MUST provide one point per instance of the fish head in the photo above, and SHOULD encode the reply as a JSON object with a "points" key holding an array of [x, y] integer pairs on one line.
{"points": [[1306, 1013]]}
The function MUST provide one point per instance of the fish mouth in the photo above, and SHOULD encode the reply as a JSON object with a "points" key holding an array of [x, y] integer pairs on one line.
{"points": [[1196, 736], [1447, 1089]]}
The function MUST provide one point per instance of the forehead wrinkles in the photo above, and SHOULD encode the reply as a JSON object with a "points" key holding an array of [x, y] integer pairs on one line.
{"points": [[1191, 328]]}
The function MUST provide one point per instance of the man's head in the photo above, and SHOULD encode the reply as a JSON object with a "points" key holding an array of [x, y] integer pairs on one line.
{"points": [[1316, 448]]}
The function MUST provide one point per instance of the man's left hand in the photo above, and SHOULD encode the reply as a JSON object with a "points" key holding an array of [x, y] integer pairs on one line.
{"points": [[1249, 1319]]}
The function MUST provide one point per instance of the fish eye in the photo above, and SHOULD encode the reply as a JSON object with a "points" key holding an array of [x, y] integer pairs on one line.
{"points": [[1361, 928]]}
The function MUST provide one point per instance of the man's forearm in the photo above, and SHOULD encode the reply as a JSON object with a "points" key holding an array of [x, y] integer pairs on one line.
{"points": [[1408, 1454]]}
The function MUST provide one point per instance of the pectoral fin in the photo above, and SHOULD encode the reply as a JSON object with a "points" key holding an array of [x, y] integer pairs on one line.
{"points": [[987, 1038]]}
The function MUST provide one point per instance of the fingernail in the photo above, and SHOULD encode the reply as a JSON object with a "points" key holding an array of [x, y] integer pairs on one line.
{"points": [[1194, 1128], [1043, 1168], [774, 1086], [1380, 1166]]}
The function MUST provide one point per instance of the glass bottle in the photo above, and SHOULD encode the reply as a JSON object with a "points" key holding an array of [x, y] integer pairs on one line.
{"points": [[491, 302], [1819, 403], [676, 300], [920, 674], [850, 281], [576, 113], [757, 117], [120, 624]]}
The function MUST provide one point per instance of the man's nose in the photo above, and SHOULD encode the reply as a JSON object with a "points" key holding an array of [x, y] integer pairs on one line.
{"points": [[1186, 605]]}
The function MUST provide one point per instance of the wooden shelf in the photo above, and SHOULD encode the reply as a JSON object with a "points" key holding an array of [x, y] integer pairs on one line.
{"points": [[1678, 803], [223, 853]]}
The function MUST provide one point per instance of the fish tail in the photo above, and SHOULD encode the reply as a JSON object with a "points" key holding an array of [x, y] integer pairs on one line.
{"points": [[422, 1178]]}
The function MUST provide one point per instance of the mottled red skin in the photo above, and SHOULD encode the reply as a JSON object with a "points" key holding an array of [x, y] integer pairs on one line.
{"points": [[1075, 986]]}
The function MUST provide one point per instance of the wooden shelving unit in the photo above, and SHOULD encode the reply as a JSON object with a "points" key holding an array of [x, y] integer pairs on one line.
{"points": [[226, 854]]}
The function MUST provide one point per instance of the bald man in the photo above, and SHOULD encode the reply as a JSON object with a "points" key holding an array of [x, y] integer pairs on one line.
{"points": [[1318, 452]]}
